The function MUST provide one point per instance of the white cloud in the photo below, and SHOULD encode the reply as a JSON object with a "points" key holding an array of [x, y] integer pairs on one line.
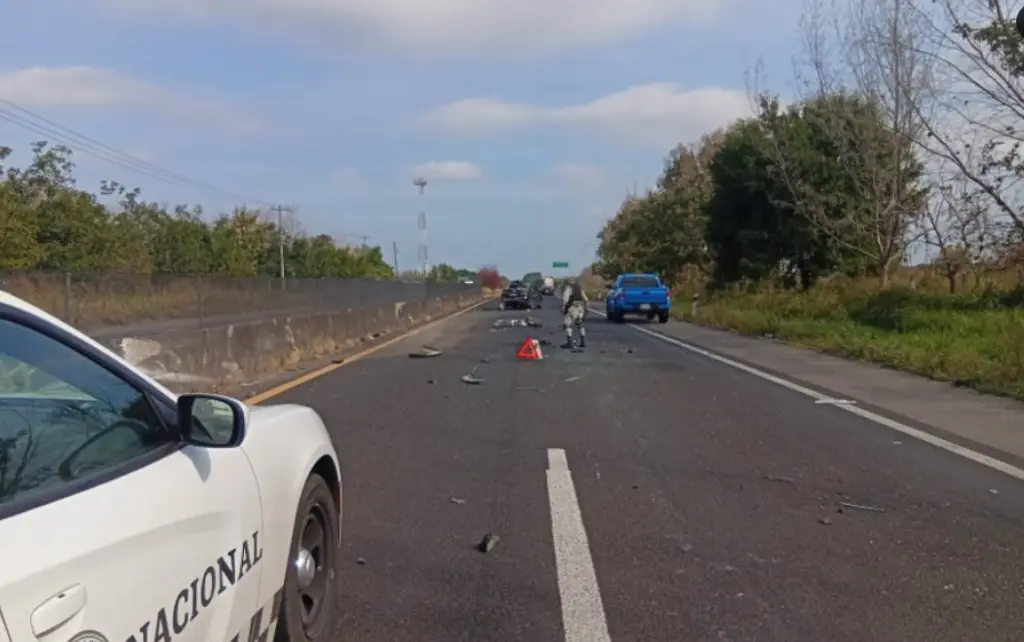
{"points": [[657, 115], [91, 88], [580, 174], [448, 171], [438, 26]]}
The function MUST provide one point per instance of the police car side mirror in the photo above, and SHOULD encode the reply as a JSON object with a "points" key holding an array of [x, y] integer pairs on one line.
{"points": [[212, 421]]}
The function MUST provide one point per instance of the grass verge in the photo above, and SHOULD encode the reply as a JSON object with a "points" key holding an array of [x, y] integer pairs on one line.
{"points": [[974, 339]]}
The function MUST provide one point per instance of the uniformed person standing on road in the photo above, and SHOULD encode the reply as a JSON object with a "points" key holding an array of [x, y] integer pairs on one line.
{"points": [[574, 307]]}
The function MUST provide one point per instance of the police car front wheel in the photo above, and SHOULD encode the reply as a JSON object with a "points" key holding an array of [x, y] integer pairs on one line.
{"points": [[308, 601]]}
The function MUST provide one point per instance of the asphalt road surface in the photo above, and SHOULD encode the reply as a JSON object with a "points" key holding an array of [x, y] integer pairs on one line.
{"points": [[644, 493]]}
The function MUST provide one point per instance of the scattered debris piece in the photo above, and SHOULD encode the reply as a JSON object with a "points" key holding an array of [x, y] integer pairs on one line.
{"points": [[425, 352], [533, 323], [338, 360], [571, 379], [430, 381], [471, 380], [870, 509], [993, 491], [360, 561], [777, 478], [824, 521], [544, 342], [485, 360], [836, 402], [488, 543], [897, 443], [456, 500]]}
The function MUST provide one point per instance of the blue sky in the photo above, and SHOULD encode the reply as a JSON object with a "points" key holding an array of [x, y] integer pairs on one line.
{"points": [[531, 120]]}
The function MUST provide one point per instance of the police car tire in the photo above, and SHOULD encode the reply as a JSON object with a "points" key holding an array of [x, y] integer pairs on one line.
{"points": [[315, 494]]}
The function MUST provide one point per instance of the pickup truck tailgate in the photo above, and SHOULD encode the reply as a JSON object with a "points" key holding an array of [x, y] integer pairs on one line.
{"points": [[646, 295]]}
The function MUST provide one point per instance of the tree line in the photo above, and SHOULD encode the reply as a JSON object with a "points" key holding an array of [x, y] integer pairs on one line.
{"points": [[903, 144], [47, 223]]}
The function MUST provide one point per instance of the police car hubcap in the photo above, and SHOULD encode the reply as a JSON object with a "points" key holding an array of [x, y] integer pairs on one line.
{"points": [[305, 568]]}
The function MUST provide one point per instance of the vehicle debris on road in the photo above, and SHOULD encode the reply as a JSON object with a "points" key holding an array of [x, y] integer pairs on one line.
{"points": [[488, 543], [870, 509], [425, 352], [776, 478], [471, 380], [457, 500]]}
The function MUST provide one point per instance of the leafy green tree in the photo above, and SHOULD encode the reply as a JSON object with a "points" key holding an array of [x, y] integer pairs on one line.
{"points": [[47, 223]]}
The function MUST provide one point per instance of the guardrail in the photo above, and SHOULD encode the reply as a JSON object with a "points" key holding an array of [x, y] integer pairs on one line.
{"points": [[158, 302]]}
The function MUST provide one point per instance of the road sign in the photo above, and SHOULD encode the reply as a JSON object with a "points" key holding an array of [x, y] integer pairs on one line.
{"points": [[560, 264]]}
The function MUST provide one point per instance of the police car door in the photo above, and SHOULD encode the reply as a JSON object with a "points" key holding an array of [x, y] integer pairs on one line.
{"points": [[153, 542]]}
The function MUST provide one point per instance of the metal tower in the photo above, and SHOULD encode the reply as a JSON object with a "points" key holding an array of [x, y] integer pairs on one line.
{"points": [[421, 185]]}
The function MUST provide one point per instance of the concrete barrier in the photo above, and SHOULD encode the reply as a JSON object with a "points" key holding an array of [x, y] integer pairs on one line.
{"points": [[229, 356]]}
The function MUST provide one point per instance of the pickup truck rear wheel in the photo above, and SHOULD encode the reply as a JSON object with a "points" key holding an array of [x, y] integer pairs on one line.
{"points": [[663, 317], [308, 600]]}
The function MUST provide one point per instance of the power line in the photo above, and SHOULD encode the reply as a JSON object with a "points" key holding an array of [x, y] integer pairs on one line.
{"points": [[31, 121]]}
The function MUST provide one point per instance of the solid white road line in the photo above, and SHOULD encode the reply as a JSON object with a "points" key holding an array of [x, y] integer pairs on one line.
{"points": [[910, 431], [583, 614]]}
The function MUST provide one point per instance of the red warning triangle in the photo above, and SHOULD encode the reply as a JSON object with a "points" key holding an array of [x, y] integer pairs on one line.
{"points": [[528, 350]]}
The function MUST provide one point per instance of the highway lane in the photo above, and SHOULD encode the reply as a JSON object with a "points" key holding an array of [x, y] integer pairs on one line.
{"points": [[709, 501]]}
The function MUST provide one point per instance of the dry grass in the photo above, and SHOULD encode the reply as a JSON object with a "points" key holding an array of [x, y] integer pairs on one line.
{"points": [[974, 338]]}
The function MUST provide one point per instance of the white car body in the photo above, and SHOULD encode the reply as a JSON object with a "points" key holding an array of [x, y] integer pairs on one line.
{"points": [[180, 542]]}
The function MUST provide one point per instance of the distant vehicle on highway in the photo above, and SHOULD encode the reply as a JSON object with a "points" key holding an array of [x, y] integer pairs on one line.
{"points": [[637, 294], [127, 511], [548, 288], [520, 296]]}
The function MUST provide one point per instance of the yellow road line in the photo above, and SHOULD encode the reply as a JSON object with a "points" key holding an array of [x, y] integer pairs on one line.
{"points": [[309, 376]]}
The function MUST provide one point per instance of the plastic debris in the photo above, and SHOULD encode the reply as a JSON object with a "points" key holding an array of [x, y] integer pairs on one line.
{"points": [[776, 478], [457, 500], [471, 380]]}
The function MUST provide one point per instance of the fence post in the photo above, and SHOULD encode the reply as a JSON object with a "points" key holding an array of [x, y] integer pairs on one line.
{"points": [[68, 300], [695, 306]]}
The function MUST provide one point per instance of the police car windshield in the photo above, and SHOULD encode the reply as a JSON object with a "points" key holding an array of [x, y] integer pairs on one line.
{"points": [[639, 282]]}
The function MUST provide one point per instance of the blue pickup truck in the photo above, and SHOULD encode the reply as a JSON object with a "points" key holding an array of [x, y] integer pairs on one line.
{"points": [[637, 294]]}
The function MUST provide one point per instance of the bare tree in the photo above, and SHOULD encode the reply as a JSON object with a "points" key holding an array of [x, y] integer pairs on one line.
{"points": [[975, 125], [959, 226]]}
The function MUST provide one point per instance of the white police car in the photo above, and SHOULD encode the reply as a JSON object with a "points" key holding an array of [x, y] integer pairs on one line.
{"points": [[131, 514]]}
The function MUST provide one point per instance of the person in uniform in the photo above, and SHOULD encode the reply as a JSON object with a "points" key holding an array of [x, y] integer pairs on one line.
{"points": [[574, 307]]}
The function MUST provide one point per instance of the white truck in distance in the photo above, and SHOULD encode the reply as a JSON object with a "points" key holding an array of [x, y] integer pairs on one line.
{"points": [[549, 286]]}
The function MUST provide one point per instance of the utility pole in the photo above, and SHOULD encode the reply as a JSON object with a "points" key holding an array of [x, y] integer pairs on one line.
{"points": [[421, 184], [280, 237], [363, 239], [394, 254]]}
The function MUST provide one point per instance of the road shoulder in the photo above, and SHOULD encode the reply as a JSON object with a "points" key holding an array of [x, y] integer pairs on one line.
{"points": [[991, 422]]}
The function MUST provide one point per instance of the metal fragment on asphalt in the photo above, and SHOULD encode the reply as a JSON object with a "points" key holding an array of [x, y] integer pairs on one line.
{"points": [[776, 478], [425, 352], [870, 509], [360, 561], [471, 380], [488, 543], [457, 500], [571, 379]]}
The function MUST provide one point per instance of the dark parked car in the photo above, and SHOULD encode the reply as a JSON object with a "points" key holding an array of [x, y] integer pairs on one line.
{"points": [[520, 296]]}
